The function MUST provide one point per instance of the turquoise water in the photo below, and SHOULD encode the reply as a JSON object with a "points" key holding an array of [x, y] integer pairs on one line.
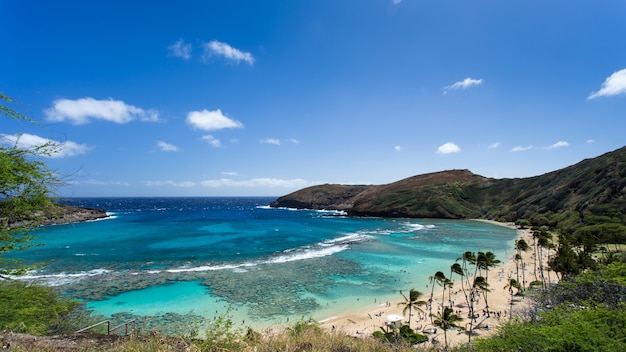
{"points": [[202, 257]]}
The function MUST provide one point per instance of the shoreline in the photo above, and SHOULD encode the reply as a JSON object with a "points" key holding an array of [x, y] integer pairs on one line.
{"points": [[371, 318]]}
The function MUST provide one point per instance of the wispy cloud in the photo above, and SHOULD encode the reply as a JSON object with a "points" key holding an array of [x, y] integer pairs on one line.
{"points": [[82, 111], [216, 48], [521, 149], [227, 182], [615, 84], [180, 49], [169, 183], [230, 173], [464, 84], [211, 120], [448, 148], [49, 148], [397, 148], [494, 145], [256, 182], [99, 183], [273, 141], [559, 144], [215, 142], [166, 147]]}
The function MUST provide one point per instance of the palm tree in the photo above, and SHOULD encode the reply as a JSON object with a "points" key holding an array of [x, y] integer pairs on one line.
{"points": [[437, 278], [411, 302], [522, 246], [479, 284], [485, 261], [536, 250], [513, 284], [446, 319], [455, 269], [441, 280], [543, 242], [517, 257], [468, 257]]}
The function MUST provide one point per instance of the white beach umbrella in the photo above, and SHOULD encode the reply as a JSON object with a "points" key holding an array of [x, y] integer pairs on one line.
{"points": [[392, 318]]}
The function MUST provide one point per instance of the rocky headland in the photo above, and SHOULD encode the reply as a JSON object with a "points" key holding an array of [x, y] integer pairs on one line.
{"points": [[571, 195]]}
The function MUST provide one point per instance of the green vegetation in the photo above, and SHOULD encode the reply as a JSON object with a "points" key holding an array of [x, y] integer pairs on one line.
{"points": [[577, 215], [25, 188], [25, 185], [38, 310], [586, 312]]}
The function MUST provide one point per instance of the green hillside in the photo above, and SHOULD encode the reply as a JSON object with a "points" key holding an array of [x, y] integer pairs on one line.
{"points": [[587, 194]]}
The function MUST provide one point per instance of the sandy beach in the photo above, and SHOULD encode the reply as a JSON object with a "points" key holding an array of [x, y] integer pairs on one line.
{"points": [[371, 319]]}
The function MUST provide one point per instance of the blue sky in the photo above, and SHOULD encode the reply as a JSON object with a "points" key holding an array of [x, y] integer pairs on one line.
{"points": [[214, 98]]}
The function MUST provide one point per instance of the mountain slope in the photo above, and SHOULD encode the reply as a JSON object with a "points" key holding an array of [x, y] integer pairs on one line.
{"points": [[573, 195]]}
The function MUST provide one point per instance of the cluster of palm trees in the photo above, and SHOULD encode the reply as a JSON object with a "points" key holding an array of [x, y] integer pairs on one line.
{"points": [[473, 273]]}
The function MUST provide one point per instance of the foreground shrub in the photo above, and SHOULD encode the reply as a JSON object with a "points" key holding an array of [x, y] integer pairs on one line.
{"points": [[563, 329], [38, 310]]}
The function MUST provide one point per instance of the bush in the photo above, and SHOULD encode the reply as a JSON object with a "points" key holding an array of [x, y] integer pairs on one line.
{"points": [[35, 309]]}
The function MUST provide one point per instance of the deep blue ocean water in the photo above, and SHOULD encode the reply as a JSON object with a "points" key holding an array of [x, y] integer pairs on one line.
{"points": [[265, 266]]}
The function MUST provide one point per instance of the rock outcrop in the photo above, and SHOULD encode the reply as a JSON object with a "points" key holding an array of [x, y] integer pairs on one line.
{"points": [[66, 214]]}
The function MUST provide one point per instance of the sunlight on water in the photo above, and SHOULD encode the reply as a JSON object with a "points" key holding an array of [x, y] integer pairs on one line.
{"points": [[198, 257]]}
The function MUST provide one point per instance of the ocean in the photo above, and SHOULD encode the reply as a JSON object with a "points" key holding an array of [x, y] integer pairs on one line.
{"points": [[173, 263]]}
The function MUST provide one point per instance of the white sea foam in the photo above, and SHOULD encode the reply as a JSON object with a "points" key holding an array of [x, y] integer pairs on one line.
{"points": [[61, 278], [307, 254], [414, 227], [322, 249], [347, 239], [323, 211], [187, 269], [418, 227]]}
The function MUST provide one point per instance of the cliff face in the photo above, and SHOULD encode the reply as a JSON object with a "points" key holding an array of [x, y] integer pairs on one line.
{"points": [[591, 188]]}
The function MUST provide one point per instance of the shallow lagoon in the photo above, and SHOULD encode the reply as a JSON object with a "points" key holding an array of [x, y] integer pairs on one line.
{"points": [[195, 258]]}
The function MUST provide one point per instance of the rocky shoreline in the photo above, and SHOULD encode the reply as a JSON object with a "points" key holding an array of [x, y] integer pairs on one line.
{"points": [[67, 214], [60, 214]]}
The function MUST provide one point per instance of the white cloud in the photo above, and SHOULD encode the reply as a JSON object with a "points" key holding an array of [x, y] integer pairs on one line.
{"points": [[80, 111], [180, 49], [448, 148], [494, 145], [397, 148], [230, 173], [212, 140], [522, 149], [211, 120], [397, 2], [464, 84], [589, 141], [293, 140], [49, 148], [615, 84], [559, 144], [273, 141], [100, 183], [231, 54], [169, 183], [256, 182], [166, 147]]}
